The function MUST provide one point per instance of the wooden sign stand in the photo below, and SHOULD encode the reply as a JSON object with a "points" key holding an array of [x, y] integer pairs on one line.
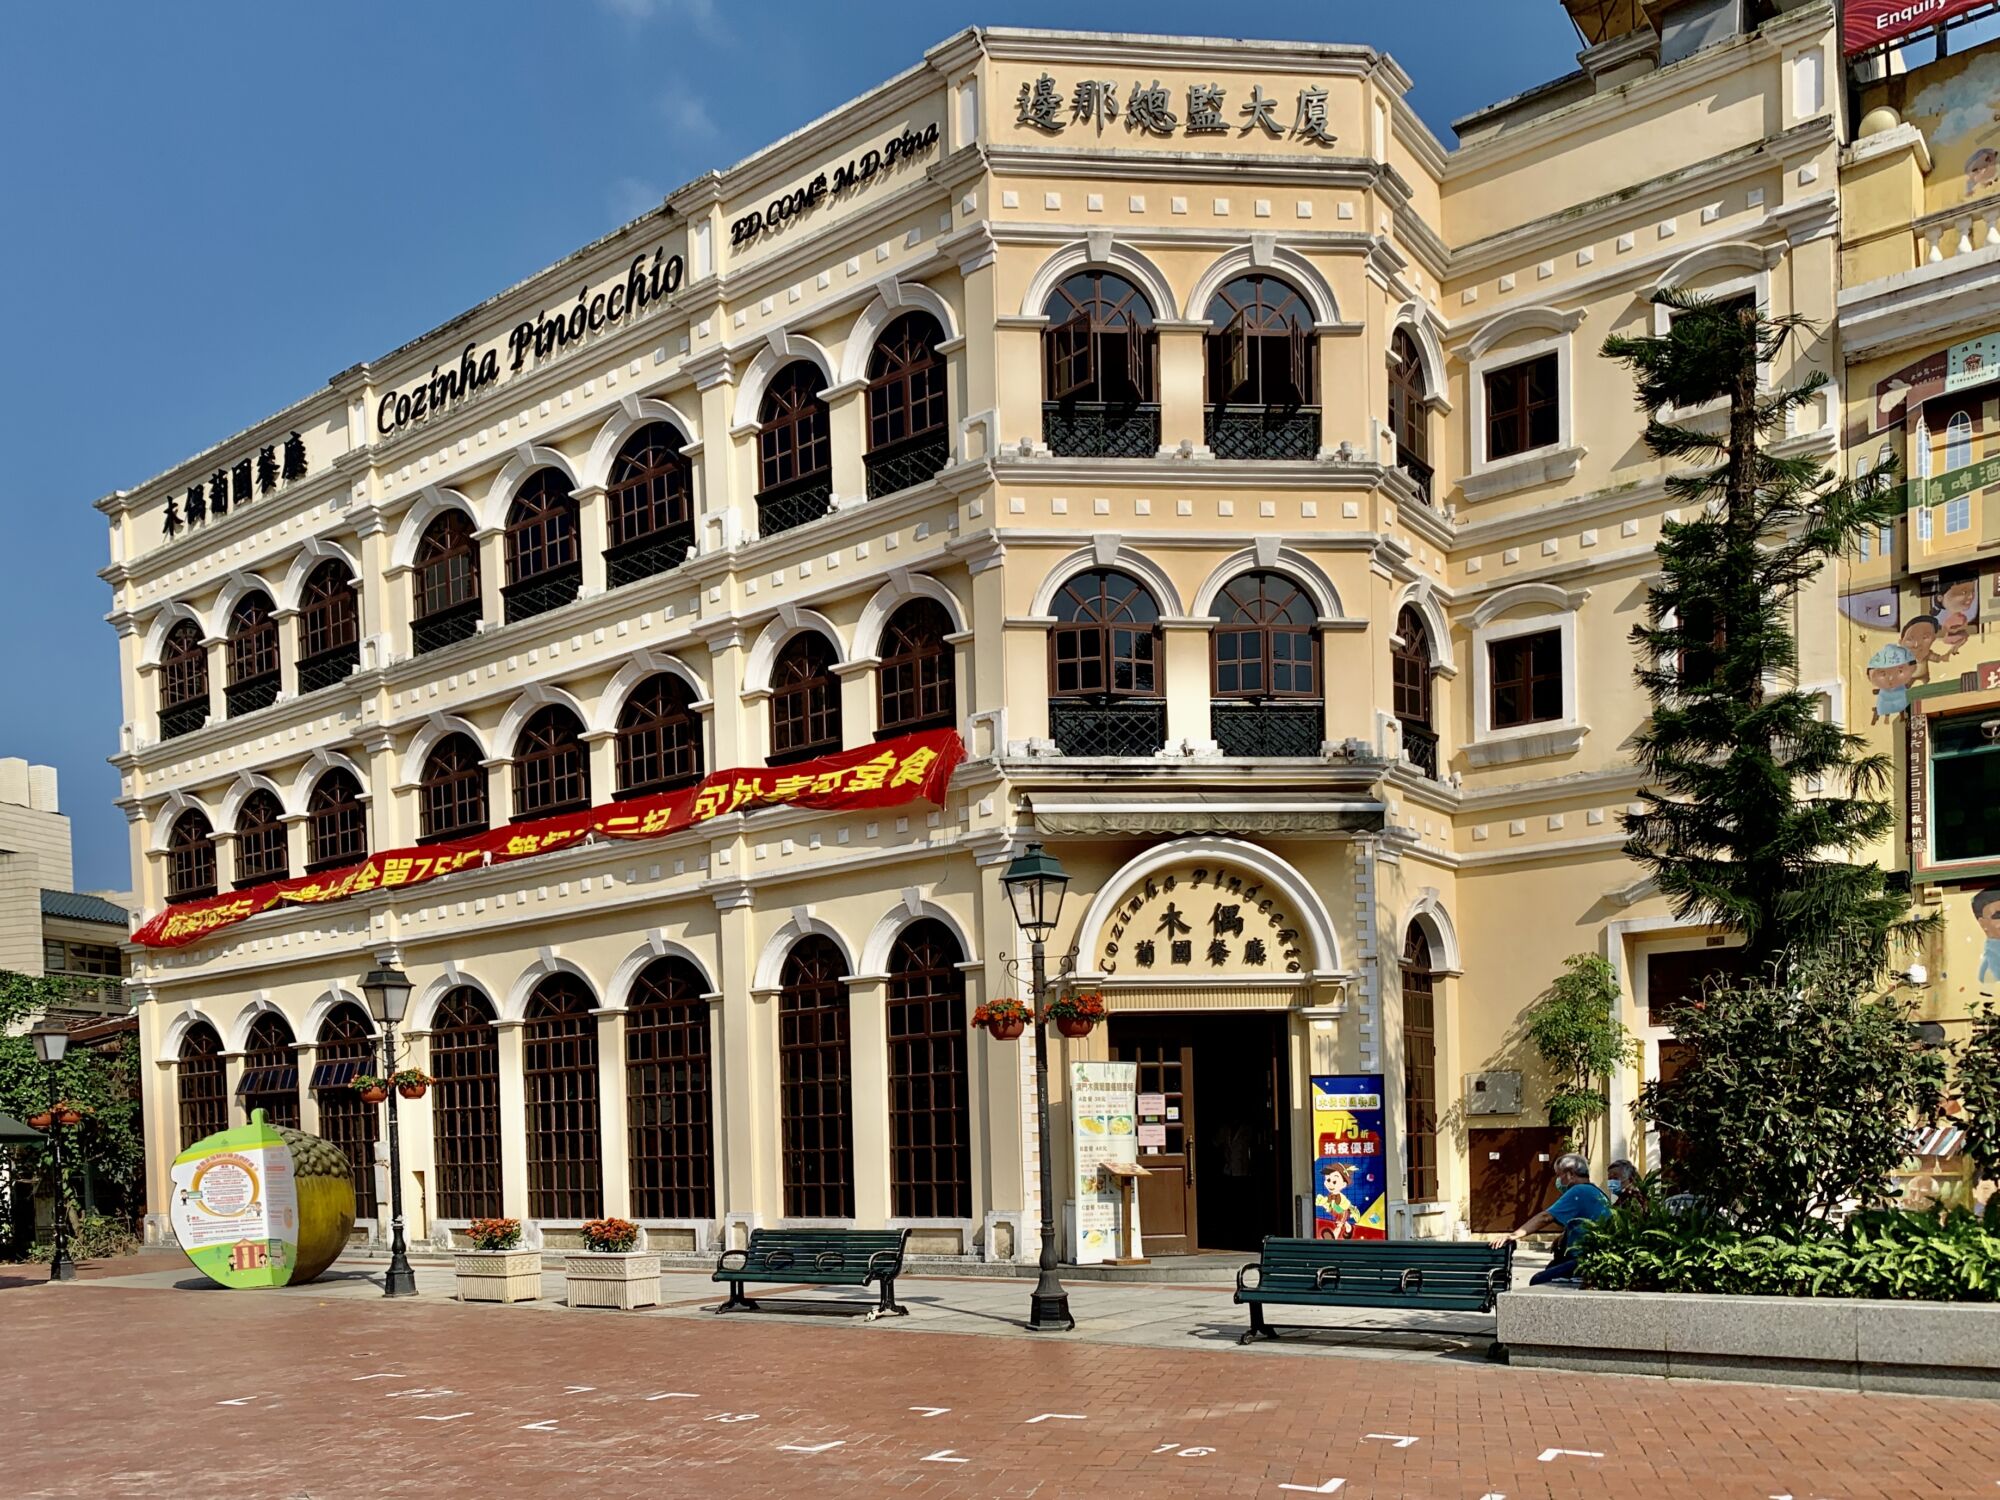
{"points": [[1128, 1174]]}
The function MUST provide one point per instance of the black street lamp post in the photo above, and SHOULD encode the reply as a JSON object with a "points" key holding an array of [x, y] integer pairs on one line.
{"points": [[1035, 883], [51, 1046], [388, 992]]}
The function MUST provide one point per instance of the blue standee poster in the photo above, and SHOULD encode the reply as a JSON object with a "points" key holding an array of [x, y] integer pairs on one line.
{"points": [[1350, 1172]]}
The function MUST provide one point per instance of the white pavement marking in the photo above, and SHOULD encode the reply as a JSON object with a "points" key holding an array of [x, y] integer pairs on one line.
{"points": [[452, 1418], [1551, 1453], [577, 1390], [548, 1424], [931, 1411], [676, 1396], [1493, 1495], [1055, 1416], [382, 1375], [1316, 1489], [942, 1456], [419, 1390], [815, 1448], [1389, 1437], [237, 1401], [731, 1416]]}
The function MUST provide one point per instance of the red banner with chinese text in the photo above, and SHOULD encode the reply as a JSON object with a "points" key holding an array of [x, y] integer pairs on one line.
{"points": [[1870, 23], [878, 775]]}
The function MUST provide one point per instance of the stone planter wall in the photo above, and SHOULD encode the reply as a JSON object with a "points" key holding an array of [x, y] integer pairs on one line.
{"points": [[498, 1275], [1917, 1348], [609, 1279]]}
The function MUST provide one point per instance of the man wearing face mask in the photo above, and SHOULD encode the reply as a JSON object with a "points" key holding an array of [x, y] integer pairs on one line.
{"points": [[1580, 1204]]}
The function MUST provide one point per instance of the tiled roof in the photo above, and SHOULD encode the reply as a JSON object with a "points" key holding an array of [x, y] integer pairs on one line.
{"points": [[76, 907]]}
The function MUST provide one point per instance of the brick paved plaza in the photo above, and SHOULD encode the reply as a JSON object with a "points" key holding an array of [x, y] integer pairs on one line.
{"points": [[144, 1384]]}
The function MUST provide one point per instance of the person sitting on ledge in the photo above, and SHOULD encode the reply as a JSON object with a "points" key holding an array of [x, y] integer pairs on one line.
{"points": [[1627, 1187], [1580, 1204]]}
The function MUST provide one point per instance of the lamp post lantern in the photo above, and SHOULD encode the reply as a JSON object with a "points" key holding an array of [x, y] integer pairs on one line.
{"points": [[388, 992], [51, 1046], [1035, 883]]}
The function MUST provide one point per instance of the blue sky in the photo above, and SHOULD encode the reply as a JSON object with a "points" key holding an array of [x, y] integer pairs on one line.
{"points": [[212, 208]]}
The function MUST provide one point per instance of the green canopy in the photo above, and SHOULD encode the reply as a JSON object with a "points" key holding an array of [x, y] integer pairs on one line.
{"points": [[14, 1133]]}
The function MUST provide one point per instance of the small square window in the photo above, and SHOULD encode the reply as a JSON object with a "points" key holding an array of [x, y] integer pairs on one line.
{"points": [[1522, 412], [1525, 679]]}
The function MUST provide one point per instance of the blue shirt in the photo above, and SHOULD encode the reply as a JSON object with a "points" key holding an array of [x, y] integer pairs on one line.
{"points": [[1583, 1204]]}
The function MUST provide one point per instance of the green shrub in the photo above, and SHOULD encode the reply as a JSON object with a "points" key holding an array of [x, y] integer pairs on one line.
{"points": [[95, 1237], [1933, 1256]]}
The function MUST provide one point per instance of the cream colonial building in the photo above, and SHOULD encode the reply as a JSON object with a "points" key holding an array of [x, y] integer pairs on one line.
{"points": [[1228, 461]]}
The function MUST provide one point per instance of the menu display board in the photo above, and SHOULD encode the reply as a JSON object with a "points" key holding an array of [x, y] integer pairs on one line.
{"points": [[1104, 1125]]}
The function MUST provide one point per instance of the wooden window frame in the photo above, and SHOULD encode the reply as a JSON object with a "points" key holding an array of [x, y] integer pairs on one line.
{"points": [[201, 1085], [907, 384], [1520, 647], [191, 874], [1239, 371], [816, 1082], [930, 1115], [543, 529], [329, 612], [805, 715], [345, 1120], [183, 666], [252, 650], [669, 1092], [441, 585], [559, 1067], [336, 822], [659, 738], [465, 1106], [916, 685], [1420, 1112], [794, 432], [1097, 632], [1099, 323], [262, 847], [262, 1050], [551, 765], [1513, 412], [439, 788], [650, 493], [1412, 674], [1409, 398], [1266, 622]]}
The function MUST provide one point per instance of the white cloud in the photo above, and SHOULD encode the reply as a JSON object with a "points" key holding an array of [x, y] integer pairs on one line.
{"points": [[686, 115], [697, 15], [631, 197]]}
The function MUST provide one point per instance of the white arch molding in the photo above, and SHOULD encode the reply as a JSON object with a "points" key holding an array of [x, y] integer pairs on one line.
{"points": [[771, 961], [1730, 255], [640, 666], [336, 994], [881, 940], [1422, 325], [1100, 251], [1509, 325], [789, 622], [431, 504], [435, 728], [525, 461], [422, 1014], [316, 766], [235, 588], [545, 966], [779, 350], [180, 1026], [1268, 555], [532, 700], [1265, 257], [1310, 912], [1437, 623], [170, 615], [169, 813], [894, 299], [1109, 552], [1428, 912], [634, 412], [238, 1036], [618, 993], [902, 587], [1526, 595], [239, 792], [312, 552]]}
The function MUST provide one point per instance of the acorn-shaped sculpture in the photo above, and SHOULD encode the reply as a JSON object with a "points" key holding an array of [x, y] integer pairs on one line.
{"points": [[262, 1205]]}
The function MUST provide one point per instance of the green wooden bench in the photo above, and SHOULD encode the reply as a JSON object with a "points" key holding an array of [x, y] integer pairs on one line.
{"points": [[1434, 1275], [816, 1257]]}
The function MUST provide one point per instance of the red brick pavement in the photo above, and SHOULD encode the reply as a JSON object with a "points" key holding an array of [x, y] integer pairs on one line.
{"points": [[118, 1391]]}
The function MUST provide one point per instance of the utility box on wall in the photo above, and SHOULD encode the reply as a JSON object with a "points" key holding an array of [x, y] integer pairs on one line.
{"points": [[1496, 1093]]}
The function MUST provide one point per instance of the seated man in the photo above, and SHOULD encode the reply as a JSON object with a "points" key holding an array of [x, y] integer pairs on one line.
{"points": [[1580, 1203]]}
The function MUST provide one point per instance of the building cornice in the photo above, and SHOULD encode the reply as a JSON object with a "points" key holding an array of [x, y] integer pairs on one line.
{"points": [[1932, 304]]}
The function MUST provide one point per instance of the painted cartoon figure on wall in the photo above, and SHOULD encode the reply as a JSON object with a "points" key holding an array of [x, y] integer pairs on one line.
{"points": [[1920, 638], [1891, 670], [1986, 912]]}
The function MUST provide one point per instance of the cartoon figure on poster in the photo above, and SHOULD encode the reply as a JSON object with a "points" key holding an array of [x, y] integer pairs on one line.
{"points": [[1350, 1174]]}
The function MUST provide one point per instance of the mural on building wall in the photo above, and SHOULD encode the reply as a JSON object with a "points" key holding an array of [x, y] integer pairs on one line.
{"points": [[1956, 104], [1892, 671]]}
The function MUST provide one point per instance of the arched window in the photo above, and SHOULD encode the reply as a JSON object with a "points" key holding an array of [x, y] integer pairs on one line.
{"points": [[1957, 441], [270, 1078], [668, 1067], [815, 1082], [262, 851], [544, 563], [347, 1050], [465, 1106], [551, 765], [1264, 659], [1261, 352], [447, 583], [190, 858], [649, 504], [183, 681], [930, 1130], [199, 1082], [253, 655], [805, 700], [907, 440], [1098, 367], [794, 450], [659, 738], [1104, 690], [1420, 1122], [336, 823], [565, 1172], [452, 790], [1409, 410], [917, 681], [329, 627], [1411, 672]]}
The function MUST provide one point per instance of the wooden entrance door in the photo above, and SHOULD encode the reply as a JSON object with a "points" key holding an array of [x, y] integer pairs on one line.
{"points": [[1167, 1217], [1513, 1175]]}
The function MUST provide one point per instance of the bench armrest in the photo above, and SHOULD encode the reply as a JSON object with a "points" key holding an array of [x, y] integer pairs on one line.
{"points": [[1412, 1280], [881, 1260], [1256, 1266], [829, 1260], [742, 1256], [1320, 1277], [778, 1260]]}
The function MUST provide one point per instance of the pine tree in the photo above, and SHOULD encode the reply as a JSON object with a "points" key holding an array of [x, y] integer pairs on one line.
{"points": [[1755, 806]]}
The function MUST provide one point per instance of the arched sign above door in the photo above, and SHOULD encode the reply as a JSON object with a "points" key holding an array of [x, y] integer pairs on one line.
{"points": [[1201, 921]]}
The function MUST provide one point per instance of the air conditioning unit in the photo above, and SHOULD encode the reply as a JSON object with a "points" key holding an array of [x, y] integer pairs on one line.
{"points": [[1493, 1093]]}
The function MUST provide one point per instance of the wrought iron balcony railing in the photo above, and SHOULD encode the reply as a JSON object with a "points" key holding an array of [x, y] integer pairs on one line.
{"points": [[1092, 429], [1282, 728], [782, 510], [907, 464], [247, 697], [446, 628], [328, 667], [1421, 472], [183, 718], [1248, 432], [1420, 747], [542, 593], [647, 557], [1124, 726]]}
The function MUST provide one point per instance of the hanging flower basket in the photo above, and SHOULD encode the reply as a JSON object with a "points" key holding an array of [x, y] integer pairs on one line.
{"points": [[42, 1120], [412, 1082], [1076, 1015], [67, 1116], [1005, 1018], [372, 1090]]}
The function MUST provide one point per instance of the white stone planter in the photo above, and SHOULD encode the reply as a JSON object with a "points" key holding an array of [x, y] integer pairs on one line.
{"points": [[498, 1275], [625, 1279]]}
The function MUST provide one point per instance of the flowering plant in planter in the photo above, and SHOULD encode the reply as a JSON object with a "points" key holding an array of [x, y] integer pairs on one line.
{"points": [[373, 1090], [412, 1082], [1004, 1017], [1075, 1014], [610, 1236], [494, 1234]]}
